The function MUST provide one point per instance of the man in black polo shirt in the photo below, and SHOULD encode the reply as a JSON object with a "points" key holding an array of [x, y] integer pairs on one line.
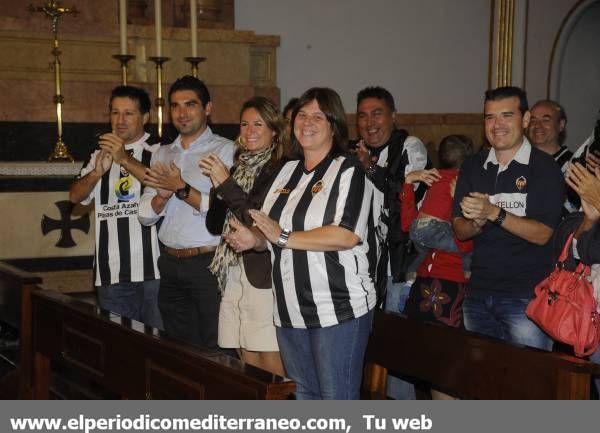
{"points": [[509, 200]]}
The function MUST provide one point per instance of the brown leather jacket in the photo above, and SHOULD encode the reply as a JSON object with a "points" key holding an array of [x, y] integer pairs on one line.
{"points": [[229, 195]]}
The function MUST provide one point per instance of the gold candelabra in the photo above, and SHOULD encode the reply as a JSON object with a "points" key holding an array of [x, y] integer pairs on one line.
{"points": [[124, 59], [54, 11], [194, 61], [160, 102]]}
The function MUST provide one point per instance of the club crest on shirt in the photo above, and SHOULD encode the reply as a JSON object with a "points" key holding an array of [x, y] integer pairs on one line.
{"points": [[282, 191], [317, 187], [521, 182], [123, 188]]}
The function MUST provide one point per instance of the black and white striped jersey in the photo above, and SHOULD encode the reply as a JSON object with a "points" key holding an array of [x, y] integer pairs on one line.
{"points": [[563, 158], [126, 251], [313, 288]]}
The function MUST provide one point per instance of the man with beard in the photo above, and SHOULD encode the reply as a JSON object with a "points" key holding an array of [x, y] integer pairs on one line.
{"points": [[178, 193]]}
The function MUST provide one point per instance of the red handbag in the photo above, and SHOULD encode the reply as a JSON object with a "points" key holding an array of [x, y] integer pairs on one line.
{"points": [[565, 308]]}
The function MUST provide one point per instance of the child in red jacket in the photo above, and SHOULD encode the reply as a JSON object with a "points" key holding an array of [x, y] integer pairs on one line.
{"points": [[432, 229]]}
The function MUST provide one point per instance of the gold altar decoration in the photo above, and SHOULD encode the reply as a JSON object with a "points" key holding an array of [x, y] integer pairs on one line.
{"points": [[160, 101], [503, 22], [54, 11]]}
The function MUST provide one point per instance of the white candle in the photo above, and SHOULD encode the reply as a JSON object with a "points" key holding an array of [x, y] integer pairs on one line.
{"points": [[123, 25], [157, 27], [194, 27]]}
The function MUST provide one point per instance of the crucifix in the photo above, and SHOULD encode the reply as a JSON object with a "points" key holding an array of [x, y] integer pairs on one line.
{"points": [[54, 11]]}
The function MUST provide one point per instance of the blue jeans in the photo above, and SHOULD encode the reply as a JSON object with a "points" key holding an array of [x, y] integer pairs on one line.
{"points": [[430, 233], [326, 363], [136, 301], [150, 312], [397, 294], [504, 318]]}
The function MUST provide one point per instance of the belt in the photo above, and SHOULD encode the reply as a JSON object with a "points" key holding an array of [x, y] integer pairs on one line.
{"points": [[189, 252]]}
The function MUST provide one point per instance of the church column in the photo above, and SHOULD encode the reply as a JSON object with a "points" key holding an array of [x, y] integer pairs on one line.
{"points": [[508, 37]]}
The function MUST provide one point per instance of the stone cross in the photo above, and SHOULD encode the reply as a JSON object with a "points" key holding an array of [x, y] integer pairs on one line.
{"points": [[65, 224]]}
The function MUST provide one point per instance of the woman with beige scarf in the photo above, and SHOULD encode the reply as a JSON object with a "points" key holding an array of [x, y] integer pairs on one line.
{"points": [[246, 312]]}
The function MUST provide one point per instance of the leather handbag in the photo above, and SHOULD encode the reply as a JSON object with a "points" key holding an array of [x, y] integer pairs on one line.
{"points": [[565, 308]]}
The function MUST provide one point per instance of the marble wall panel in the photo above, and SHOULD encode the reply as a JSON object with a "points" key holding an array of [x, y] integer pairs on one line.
{"points": [[89, 72], [88, 101], [101, 16]]}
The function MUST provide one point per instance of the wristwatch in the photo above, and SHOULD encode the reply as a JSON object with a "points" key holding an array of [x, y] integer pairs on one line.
{"points": [[283, 238], [500, 218], [183, 193]]}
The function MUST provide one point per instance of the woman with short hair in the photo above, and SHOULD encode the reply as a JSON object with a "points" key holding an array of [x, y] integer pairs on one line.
{"points": [[314, 221]]}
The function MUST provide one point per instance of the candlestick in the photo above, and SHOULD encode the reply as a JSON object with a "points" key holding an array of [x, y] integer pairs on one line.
{"points": [[54, 11], [194, 27], [123, 25], [160, 102], [158, 27], [123, 58], [194, 61]]}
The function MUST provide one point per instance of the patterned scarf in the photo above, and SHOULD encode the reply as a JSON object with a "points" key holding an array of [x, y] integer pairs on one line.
{"points": [[248, 167]]}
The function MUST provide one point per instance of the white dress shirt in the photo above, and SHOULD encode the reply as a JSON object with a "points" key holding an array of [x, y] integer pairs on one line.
{"points": [[183, 226]]}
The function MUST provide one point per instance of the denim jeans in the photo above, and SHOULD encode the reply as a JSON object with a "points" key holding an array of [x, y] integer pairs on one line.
{"points": [[136, 301], [397, 294], [326, 363], [431, 233], [503, 317], [150, 312]]}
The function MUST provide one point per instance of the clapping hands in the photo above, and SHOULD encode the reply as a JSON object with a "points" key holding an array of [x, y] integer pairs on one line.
{"points": [[113, 145], [586, 185], [240, 238], [103, 162], [166, 178], [214, 168]]}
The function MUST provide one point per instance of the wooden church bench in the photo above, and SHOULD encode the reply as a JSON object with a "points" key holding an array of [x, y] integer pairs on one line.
{"points": [[469, 365], [134, 361]]}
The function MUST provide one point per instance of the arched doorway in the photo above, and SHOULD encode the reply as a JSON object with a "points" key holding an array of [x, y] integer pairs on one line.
{"points": [[574, 78]]}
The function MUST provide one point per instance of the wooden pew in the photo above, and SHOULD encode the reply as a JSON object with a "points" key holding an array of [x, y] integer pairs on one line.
{"points": [[133, 360], [469, 365], [16, 287]]}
